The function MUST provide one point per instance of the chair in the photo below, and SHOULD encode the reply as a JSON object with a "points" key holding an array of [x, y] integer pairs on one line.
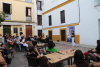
{"points": [[32, 61]]}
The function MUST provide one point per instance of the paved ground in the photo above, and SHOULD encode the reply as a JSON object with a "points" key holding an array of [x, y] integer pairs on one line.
{"points": [[21, 61]]}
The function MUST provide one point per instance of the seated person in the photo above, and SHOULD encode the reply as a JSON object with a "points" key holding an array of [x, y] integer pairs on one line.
{"points": [[51, 47], [23, 39], [94, 54], [32, 38], [43, 62], [18, 42], [2, 61], [26, 45], [79, 60], [9, 50], [33, 52], [1, 36], [35, 44], [11, 42]]}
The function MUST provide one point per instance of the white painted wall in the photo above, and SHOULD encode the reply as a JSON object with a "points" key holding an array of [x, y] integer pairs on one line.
{"points": [[71, 14], [37, 12], [89, 14]]}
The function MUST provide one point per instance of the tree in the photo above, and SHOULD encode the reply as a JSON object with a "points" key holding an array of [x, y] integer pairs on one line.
{"points": [[2, 17], [7, 30]]}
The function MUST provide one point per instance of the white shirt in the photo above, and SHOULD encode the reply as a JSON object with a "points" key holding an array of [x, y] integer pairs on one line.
{"points": [[25, 44], [23, 40]]}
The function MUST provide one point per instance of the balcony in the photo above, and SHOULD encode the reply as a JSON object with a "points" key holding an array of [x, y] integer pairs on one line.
{"points": [[97, 3], [29, 1], [28, 18], [8, 17]]}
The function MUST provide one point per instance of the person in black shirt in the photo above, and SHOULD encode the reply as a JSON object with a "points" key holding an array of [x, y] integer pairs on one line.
{"points": [[29, 38], [47, 39], [33, 52], [73, 37]]}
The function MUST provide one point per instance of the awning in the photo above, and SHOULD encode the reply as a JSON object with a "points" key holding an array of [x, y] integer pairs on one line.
{"points": [[11, 23]]}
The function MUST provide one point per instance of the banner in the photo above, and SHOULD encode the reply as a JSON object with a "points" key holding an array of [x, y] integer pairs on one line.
{"points": [[69, 31]]}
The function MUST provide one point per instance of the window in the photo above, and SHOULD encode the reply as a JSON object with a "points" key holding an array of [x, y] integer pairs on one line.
{"points": [[20, 29], [7, 8], [50, 23], [28, 11], [39, 18], [63, 35], [62, 16], [15, 30], [39, 32], [39, 5]]}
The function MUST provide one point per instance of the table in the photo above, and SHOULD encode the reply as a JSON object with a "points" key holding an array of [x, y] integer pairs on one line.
{"points": [[60, 56], [42, 45]]}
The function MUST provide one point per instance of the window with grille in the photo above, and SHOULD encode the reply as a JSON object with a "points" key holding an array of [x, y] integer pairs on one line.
{"points": [[28, 11], [50, 34], [62, 16], [39, 18], [7, 8], [63, 35], [39, 5], [50, 21], [15, 30]]}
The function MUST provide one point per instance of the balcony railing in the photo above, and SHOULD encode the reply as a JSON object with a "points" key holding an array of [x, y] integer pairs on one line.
{"points": [[28, 18], [96, 3], [8, 17]]}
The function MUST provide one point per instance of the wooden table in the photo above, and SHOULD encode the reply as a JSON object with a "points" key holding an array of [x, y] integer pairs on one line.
{"points": [[55, 58], [42, 45]]}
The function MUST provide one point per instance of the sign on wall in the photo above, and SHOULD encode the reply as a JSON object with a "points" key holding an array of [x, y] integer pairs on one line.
{"points": [[30, 1], [69, 31]]}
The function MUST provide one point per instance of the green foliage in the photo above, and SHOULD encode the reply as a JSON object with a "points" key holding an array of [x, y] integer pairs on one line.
{"points": [[7, 30], [2, 16]]}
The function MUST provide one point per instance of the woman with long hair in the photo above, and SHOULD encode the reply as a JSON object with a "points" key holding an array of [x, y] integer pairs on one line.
{"points": [[79, 60], [43, 62]]}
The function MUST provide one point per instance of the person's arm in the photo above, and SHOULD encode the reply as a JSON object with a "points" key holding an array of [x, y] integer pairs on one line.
{"points": [[37, 53], [2, 60]]}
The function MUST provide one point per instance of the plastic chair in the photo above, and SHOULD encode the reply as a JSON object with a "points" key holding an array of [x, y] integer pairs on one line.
{"points": [[32, 61]]}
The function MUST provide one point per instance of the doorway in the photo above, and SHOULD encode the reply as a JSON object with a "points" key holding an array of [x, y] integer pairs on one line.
{"points": [[63, 35], [28, 30], [50, 34], [6, 29]]}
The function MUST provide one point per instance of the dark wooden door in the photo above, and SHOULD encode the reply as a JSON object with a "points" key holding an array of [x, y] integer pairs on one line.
{"points": [[50, 34], [28, 30], [63, 35], [6, 30]]}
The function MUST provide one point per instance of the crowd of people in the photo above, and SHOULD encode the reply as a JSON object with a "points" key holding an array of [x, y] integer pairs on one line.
{"points": [[31, 44]]}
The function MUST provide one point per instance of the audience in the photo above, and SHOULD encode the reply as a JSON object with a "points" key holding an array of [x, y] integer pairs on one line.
{"points": [[43, 62], [28, 39], [51, 47], [32, 38]]}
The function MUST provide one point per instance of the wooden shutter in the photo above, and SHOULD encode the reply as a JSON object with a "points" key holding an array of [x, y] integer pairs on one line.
{"points": [[10, 8], [50, 34], [39, 17], [26, 11]]}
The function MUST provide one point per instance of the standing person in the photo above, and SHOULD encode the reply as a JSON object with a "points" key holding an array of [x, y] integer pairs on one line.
{"points": [[73, 38]]}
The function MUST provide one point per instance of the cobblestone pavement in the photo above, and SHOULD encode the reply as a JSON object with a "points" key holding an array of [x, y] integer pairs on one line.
{"points": [[20, 60]]}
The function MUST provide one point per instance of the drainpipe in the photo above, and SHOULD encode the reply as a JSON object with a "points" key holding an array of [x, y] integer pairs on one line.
{"points": [[79, 10]]}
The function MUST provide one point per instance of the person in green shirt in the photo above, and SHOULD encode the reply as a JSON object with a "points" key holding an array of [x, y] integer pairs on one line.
{"points": [[51, 47]]}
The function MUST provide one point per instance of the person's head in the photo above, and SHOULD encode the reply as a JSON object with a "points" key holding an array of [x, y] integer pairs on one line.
{"points": [[50, 45], [72, 31], [79, 59], [0, 35], [31, 49], [35, 43], [98, 42], [28, 35], [43, 62], [46, 36], [29, 43], [3, 45]]}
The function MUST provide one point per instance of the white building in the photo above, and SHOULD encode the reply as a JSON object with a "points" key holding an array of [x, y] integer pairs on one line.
{"points": [[60, 16]]}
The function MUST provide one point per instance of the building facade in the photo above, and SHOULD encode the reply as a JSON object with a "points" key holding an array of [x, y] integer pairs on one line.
{"points": [[20, 17], [60, 17]]}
